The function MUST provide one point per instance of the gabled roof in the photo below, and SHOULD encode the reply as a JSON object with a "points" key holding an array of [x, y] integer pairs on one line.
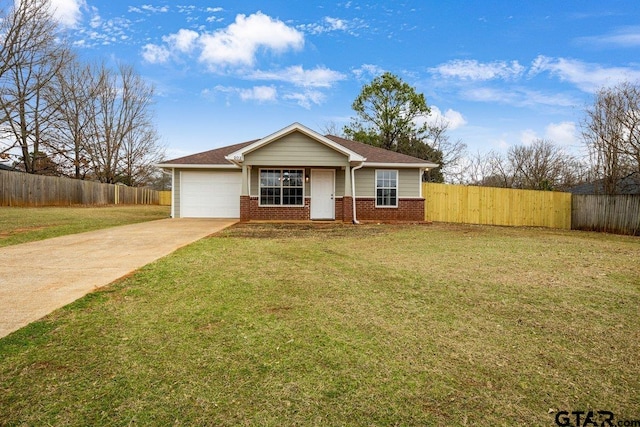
{"points": [[355, 152], [238, 155]]}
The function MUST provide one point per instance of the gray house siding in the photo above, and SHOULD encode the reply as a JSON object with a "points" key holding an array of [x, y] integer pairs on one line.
{"points": [[176, 193], [295, 149], [408, 182]]}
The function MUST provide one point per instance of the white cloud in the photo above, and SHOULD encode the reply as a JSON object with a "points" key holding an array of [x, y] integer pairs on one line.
{"points": [[454, 119], [155, 54], [622, 37], [214, 9], [486, 94], [563, 133], [307, 98], [102, 31], [96, 20], [68, 12], [239, 42], [236, 45], [297, 75], [182, 41], [330, 24], [335, 23], [149, 8], [367, 72], [528, 136], [518, 96], [588, 77], [468, 69], [259, 93]]}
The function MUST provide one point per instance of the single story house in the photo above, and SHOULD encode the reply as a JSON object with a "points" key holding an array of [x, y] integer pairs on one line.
{"points": [[298, 174], [629, 184]]}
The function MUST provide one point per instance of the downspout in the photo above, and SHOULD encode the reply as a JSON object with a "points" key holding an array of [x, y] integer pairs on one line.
{"points": [[353, 191]]}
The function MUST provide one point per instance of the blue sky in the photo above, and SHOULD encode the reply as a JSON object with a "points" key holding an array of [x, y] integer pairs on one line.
{"points": [[501, 72]]}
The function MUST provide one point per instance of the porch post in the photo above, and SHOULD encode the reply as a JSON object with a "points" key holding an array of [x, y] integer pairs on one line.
{"points": [[245, 180], [347, 200], [245, 200], [347, 180]]}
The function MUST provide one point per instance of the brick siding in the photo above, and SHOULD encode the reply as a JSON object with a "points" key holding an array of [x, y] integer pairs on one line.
{"points": [[407, 210], [275, 213]]}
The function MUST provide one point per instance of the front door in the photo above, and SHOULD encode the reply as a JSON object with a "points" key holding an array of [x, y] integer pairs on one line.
{"points": [[322, 194]]}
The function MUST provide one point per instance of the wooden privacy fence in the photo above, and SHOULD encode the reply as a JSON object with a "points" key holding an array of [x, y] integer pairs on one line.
{"points": [[22, 189], [496, 206], [613, 214], [164, 198]]}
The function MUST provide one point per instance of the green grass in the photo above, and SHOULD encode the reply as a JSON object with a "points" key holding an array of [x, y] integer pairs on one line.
{"points": [[277, 325], [21, 225]]}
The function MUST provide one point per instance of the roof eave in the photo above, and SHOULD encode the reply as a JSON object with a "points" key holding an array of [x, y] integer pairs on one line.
{"points": [[238, 155], [196, 166], [426, 165]]}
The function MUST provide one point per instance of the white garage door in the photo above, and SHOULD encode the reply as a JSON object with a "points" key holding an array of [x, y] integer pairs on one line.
{"points": [[206, 194]]}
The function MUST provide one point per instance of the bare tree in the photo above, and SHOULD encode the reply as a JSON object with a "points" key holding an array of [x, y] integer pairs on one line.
{"points": [[140, 153], [538, 166], [35, 55], [473, 168], [17, 35], [75, 91], [611, 131], [501, 173], [452, 152], [332, 128], [122, 132]]}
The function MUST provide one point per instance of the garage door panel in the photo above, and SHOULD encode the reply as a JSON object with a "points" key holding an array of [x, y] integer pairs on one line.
{"points": [[208, 194]]}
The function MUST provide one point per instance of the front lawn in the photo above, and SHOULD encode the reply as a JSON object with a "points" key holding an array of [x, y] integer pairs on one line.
{"points": [[21, 225], [344, 325]]}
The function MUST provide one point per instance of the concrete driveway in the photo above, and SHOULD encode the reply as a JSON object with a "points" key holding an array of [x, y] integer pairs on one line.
{"points": [[40, 277]]}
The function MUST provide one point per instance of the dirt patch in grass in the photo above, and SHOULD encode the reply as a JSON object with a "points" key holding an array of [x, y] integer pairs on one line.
{"points": [[296, 230], [4, 234]]}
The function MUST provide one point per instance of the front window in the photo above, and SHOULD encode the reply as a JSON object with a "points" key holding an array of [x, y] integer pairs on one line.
{"points": [[282, 187], [386, 188]]}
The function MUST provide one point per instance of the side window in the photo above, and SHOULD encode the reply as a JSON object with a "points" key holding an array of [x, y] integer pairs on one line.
{"points": [[386, 188]]}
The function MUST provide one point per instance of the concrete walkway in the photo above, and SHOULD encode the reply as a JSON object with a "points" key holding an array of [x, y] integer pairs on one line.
{"points": [[40, 277]]}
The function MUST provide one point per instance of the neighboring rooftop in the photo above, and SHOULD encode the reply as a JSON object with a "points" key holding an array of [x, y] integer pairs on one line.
{"points": [[630, 184]]}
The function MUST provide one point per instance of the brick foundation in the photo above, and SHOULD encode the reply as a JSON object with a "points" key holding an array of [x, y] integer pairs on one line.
{"points": [[407, 210], [275, 213]]}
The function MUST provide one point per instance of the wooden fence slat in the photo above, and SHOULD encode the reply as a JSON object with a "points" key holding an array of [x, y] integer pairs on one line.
{"points": [[22, 189], [496, 206], [614, 214]]}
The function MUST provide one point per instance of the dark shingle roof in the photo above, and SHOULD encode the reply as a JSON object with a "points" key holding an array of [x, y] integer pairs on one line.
{"points": [[371, 153], [211, 157], [630, 184], [375, 154]]}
